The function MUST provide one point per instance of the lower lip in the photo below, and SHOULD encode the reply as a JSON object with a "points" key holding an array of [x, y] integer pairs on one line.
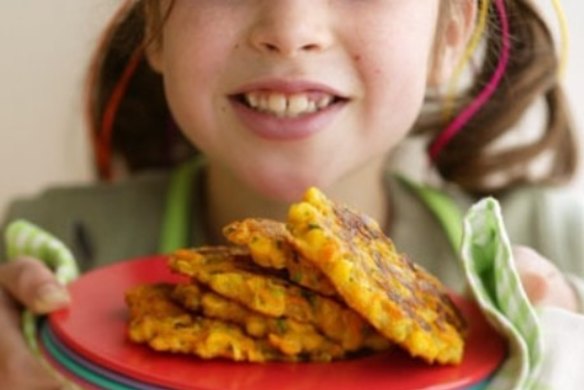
{"points": [[271, 127]]}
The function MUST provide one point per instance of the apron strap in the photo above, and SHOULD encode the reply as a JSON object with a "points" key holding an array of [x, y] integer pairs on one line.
{"points": [[177, 229], [442, 206]]}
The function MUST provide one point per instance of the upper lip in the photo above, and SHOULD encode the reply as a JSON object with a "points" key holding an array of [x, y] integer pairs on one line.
{"points": [[288, 87]]}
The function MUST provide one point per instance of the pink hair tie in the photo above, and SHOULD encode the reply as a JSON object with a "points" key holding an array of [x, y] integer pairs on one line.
{"points": [[465, 116], [104, 138]]}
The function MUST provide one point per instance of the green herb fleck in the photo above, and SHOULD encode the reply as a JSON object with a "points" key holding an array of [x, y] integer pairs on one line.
{"points": [[296, 277], [310, 297], [281, 324]]}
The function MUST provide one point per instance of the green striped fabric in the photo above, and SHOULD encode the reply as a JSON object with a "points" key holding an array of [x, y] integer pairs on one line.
{"points": [[25, 239], [490, 270]]}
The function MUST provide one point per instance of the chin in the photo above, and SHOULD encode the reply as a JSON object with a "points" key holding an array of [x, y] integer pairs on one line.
{"points": [[285, 187]]}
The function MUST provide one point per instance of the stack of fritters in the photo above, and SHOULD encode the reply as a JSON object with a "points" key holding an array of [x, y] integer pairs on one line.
{"points": [[323, 287]]}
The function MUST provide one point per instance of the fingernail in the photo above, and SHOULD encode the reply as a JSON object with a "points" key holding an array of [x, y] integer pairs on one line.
{"points": [[51, 296]]}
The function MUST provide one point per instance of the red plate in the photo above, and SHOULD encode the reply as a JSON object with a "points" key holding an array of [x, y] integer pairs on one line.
{"points": [[95, 327]]}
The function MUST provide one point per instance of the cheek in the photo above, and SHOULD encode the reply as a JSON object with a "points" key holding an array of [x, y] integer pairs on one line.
{"points": [[394, 97], [394, 77], [190, 111], [191, 82]]}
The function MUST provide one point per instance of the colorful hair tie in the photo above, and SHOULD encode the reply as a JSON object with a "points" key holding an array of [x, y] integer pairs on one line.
{"points": [[104, 138], [465, 59], [565, 34], [464, 117]]}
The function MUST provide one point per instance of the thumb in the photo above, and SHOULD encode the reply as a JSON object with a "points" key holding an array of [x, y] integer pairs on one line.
{"points": [[542, 281], [33, 285]]}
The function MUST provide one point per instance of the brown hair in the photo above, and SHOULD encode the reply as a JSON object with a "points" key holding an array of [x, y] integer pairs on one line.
{"points": [[145, 137], [470, 159], [143, 133]]}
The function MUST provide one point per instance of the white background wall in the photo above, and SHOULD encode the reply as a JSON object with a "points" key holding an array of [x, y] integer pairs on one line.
{"points": [[44, 49]]}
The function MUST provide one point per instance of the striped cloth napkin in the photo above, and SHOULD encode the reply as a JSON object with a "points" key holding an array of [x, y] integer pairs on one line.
{"points": [[546, 347], [26, 239]]}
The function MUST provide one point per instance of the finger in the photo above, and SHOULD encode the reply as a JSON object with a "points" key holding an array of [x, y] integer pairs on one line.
{"points": [[530, 261], [542, 281], [535, 287], [19, 369], [532, 272], [31, 283]]}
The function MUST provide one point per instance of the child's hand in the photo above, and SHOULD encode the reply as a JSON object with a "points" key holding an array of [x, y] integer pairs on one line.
{"points": [[543, 282], [28, 283]]}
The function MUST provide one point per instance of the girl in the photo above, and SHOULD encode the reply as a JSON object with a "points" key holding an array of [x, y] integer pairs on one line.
{"points": [[281, 95]]}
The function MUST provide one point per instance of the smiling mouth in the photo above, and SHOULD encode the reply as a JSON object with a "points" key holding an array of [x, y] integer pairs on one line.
{"points": [[288, 105]]}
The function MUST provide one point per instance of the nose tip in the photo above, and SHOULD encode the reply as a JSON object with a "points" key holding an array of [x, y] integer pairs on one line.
{"points": [[291, 49], [288, 31]]}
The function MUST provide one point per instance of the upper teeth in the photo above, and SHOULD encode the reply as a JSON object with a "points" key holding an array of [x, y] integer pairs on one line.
{"points": [[287, 105]]}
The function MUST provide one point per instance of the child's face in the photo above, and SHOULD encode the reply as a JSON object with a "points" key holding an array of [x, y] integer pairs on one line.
{"points": [[361, 65]]}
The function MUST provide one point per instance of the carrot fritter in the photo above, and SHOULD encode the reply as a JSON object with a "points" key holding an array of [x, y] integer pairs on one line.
{"points": [[163, 325], [214, 260], [288, 336], [274, 296], [403, 301], [270, 245]]}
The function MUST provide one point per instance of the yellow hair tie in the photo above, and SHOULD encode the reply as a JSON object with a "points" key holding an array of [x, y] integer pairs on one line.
{"points": [[469, 52], [565, 48]]}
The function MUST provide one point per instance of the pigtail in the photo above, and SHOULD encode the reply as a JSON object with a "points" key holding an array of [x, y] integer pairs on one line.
{"points": [[442, 139], [471, 157], [127, 113]]}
